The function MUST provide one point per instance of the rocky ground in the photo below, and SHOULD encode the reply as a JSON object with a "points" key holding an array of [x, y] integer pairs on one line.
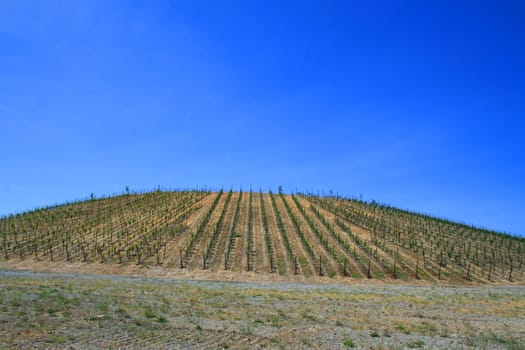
{"points": [[82, 311]]}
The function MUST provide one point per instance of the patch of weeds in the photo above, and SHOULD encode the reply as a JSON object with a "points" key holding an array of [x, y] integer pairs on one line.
{"points": [[509, 343], [162, 319], [416, 344], [338, 323], [274, 320], [402, 328], [308, 342], [275, 341], [494, 296], [141, 323], [279, 297], [149, 313], [39, 308], [470, 342], [302, 261], [258, 321], [164, 309], [44, 293], [198, 327], [57, 339], [52, 311], [60, 298], [123, 312], [199, 313], [97, 318], [349, 343], [444, 331], [218, 305], [374, 334], [387, 333], [103, 307], [426, 328], [247, 330], [309, 316]]}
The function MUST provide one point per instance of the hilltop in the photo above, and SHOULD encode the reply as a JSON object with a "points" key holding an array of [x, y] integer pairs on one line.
{"points": [[288, 236]]}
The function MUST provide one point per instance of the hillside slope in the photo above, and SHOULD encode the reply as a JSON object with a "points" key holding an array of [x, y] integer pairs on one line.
{"points": [[266, 234]]}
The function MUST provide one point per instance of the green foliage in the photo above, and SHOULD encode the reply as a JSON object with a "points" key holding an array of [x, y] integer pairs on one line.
{"points": [[416, 344], [349, 343], [149, 312]]}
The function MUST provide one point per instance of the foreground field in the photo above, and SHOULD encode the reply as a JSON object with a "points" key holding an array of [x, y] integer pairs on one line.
{"points": [[48, 310]]}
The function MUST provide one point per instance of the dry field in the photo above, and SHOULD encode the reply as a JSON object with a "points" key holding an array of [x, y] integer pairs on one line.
{"points": [[80, 311]]}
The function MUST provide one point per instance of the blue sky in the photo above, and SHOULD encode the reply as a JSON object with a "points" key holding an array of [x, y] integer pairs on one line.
{"points": [[418, 104]]}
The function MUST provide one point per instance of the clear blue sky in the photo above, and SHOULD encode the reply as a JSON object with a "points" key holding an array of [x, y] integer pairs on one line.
{"points": [[418, 104]]}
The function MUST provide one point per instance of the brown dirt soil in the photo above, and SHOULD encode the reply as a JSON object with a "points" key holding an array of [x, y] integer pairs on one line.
{"points": [[154, 271]]}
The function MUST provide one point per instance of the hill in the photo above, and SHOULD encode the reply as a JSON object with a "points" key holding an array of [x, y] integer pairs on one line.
{"points": [[264, 233]]}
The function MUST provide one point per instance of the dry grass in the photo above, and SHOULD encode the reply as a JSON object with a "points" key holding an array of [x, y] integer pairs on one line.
{"points": [[85, 311]]}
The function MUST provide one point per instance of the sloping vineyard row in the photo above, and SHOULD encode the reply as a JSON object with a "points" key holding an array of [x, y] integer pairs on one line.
{"points": [[297, 234]]}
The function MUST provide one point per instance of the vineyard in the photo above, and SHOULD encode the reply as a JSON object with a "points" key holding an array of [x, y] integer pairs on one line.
{"points": [[264, 233]]}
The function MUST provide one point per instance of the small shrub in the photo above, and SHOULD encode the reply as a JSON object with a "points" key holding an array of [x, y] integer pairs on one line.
{"points": [[123, 312], [509, 343], [349, 343], [149, 313], [402, 328], [310, 317], [103, 307], [416, 344], [57, 339], [307, 342]]}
